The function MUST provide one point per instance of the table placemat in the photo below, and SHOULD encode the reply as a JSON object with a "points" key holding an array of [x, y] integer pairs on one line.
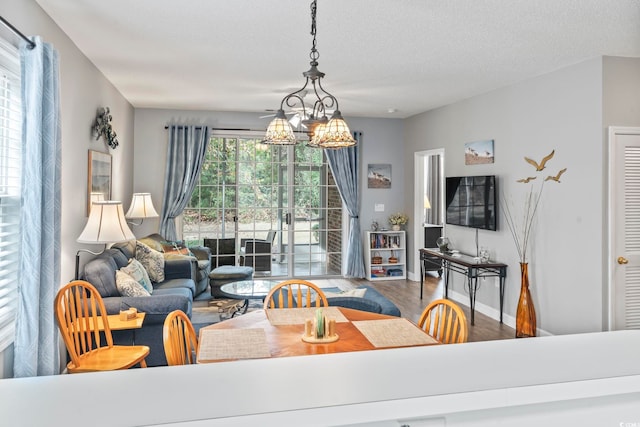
{"points": [[297, 316], [392, 333], [220, 344]]}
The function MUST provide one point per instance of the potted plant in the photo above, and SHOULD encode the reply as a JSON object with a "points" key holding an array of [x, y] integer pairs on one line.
{"points": [[398, 219]]}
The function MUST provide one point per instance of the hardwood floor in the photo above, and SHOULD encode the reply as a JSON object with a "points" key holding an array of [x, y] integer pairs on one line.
{"points": [[406, 295]]}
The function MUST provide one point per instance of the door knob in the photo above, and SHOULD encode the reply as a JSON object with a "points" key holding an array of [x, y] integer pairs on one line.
{"points": [[622, 260]]}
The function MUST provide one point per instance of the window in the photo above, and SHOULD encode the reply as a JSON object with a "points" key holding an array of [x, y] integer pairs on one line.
{"points": [[10, 175], [282, 197]]}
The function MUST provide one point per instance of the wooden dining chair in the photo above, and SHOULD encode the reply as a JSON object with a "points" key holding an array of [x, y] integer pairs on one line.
{"points": [[289, 294], [81, 318], [445, 321], [179, 338]]}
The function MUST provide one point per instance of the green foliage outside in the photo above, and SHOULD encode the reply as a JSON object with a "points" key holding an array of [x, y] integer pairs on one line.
{"points": [[256, 175]]}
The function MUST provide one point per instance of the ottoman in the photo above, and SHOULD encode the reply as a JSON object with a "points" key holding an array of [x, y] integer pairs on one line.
{"points": [[227, 274]]}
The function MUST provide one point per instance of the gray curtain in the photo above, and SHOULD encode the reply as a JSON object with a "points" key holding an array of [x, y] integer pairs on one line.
{"points": [[344, 166], [36, 348], [185, 156], [433, 172]]}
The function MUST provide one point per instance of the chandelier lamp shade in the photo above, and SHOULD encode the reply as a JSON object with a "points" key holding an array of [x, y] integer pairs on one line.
{"points": [[141, 208], [322, 131]]}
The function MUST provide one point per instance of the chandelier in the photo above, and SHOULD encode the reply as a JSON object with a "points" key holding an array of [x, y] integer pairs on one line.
{"points": [[322, 131]]}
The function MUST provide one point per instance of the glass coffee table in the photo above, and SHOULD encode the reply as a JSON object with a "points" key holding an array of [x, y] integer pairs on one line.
{"points": [[248, 289]]}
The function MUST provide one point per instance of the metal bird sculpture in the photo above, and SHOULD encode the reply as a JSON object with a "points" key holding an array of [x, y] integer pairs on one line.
{"points": [[557, 177], [527, 179], [542, 164]]}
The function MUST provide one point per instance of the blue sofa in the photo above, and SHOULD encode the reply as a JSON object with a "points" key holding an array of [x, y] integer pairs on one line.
{"points": [[372, 301], [176, 292]]}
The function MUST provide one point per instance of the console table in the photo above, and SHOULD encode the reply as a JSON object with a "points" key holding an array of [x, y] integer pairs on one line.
{"points": [[467, 265]]}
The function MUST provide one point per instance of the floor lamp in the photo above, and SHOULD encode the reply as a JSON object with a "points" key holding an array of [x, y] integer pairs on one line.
{"points": [[106, 224]]}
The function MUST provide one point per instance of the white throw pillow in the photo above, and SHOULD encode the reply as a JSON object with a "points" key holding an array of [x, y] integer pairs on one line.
{"points": [[151, 260], [358, 293], [128, 286], [136, 270]]}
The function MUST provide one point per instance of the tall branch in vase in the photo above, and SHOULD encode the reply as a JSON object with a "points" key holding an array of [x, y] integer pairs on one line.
{"points": [[521, 233]]}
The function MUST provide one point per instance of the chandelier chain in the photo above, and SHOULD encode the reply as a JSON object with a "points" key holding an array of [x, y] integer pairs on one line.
{"points": [[314, 55]]}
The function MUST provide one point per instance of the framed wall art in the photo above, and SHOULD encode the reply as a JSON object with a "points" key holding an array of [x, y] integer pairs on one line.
{"points": [[379, 175], [478, 152], [99, 178]]}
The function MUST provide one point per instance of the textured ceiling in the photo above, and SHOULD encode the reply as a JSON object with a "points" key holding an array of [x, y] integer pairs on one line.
{"points": [[409, 56]]}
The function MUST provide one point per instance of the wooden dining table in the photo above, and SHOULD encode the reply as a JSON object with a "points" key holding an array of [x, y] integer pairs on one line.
{"points": [[278, 333]]}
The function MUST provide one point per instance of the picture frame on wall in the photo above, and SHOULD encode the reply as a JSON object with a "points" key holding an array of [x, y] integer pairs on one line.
{"points": [[379, 175], [99, 178], [478, 152]]}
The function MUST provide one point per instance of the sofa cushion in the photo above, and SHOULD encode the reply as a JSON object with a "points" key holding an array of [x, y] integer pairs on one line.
{"points": [[128, 286], [152, 260], [139, 274], [388, 307], [186, 284], [101, 273], [362, 304]]}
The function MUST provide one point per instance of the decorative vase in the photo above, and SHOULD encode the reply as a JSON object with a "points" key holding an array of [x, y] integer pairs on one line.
{"points": [[395, 227], [526, 312]]}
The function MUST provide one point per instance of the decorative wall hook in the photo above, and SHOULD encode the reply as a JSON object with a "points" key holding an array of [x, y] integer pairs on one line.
{"points": [[102, 127]]}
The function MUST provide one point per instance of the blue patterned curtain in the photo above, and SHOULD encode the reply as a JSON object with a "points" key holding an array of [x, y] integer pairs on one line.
{"points": [[185, 156], [36, 348], [344, 166]]}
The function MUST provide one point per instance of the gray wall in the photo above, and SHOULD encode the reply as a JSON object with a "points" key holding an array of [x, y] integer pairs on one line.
{"points": [[566, 111], [83, 90]]}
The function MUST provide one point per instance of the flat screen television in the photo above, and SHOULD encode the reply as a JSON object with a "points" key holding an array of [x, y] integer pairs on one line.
{"points": [[471, 201]]}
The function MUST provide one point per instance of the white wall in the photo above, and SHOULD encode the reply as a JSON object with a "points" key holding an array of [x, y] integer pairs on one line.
{"points": [[83, 89], [562, 111], [382, 143]]}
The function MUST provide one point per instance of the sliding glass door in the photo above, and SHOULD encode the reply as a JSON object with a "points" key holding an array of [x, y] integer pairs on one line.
{"points": [[274, 208]]}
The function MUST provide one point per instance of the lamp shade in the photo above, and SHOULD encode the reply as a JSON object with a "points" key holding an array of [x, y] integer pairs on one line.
{"points": [[279, 131], [336, 133], [141, 207], [318, 132], [97, 197], [106, 224], [427, 204]]}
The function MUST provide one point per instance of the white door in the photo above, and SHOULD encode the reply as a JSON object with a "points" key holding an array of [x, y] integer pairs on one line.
{"points": [[624, 209]]}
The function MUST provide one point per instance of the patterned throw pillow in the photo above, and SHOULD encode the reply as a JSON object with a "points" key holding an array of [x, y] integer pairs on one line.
{"points": [[175, 248], [151, 260], [139, 274], [128, 287]]}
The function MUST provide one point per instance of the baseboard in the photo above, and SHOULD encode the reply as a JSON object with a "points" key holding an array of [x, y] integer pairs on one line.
{"points": [[491, 312]]}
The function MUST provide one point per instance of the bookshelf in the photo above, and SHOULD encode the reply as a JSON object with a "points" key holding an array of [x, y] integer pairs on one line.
{"points": [[385, 255]]}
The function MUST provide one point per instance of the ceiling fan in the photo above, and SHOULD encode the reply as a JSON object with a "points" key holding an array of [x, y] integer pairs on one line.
{"points": [[297, 116]]}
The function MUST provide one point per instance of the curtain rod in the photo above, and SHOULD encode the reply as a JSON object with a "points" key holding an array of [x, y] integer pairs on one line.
{"points": [[16, 31], [236, 129]]}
